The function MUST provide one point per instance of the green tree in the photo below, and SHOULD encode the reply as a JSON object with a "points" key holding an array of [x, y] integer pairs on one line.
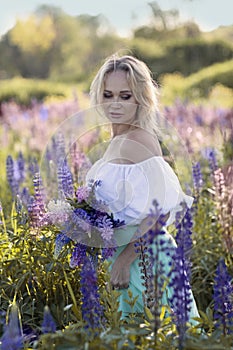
{"points": [[163, 19], [33, 35]]}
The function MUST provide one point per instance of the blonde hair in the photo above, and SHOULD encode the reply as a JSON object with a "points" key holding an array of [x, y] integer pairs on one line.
{"points": [[140, 81]]}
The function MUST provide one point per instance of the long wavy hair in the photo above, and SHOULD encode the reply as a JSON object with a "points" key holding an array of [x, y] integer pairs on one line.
{"points": [[141, 83]]}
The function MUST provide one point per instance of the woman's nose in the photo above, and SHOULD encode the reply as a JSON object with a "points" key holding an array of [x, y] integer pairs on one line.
{"points": [[116, 105], [116, 102]]}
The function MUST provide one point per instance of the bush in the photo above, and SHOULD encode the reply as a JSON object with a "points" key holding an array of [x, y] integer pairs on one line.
{"points": [[201, 85], [205, 79], [23, 91], [188, 56], [184, 56]]}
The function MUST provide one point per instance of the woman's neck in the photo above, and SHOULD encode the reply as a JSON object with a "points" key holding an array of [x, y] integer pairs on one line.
{"points": [[120, 129]]}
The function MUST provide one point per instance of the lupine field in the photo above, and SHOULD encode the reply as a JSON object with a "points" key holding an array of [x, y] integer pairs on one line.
{"points": [[54, 289]]}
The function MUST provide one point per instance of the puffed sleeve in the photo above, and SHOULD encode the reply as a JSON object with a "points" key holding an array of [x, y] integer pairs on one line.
{"points": [[165, 188]]}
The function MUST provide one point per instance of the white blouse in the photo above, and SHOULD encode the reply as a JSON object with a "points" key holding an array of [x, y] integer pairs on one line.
{"points": [[130, 189]]}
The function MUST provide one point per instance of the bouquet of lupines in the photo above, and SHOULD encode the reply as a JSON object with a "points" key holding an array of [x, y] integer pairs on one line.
{"points": [[84, 220]]}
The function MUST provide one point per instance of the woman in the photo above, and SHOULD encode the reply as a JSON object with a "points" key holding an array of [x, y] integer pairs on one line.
{"points": [[132, 171]]}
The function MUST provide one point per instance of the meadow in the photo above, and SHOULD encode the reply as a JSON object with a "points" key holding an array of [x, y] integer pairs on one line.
{"points": [[57, 295]]}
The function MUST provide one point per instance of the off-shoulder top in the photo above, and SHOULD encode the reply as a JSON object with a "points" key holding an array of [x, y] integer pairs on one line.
{"points": [[130, 189]]}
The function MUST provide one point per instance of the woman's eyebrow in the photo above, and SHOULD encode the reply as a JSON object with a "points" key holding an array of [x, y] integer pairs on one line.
{"points": [[120, 91]]}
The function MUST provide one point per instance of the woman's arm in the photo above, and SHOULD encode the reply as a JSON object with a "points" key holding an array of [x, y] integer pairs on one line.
{"points": [[138, 146], [120, 273]]}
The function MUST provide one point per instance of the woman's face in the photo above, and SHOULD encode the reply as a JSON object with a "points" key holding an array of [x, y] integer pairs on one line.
{"points": [[119, 103]]}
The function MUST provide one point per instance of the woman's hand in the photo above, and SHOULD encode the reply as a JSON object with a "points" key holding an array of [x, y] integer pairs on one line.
{"points": [[120, 273]]}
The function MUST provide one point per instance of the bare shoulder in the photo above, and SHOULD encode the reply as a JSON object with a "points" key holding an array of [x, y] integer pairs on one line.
{"points": [[147, 140]]}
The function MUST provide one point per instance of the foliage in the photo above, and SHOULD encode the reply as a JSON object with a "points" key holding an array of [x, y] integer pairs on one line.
{"points": [[24, 91], [45, 292], [185, 56], [73, 45], [199, 85], [217, 73], [223, 33], [33, 35]]}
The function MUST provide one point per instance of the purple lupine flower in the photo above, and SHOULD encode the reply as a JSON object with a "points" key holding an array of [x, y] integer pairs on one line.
{"points": [[197, 177], [184, 234], [180, 278], [58, 149], [18, 204], [33, 167], [65, 180], [213, 164], [105, 227], [21, 167], [154, 248], [79, 226], [92, 310], [107, 252], [36, 207], [12, 338], [30, 335], [60, 241], [22, 215], [79, 162], [39, 191], [25, 196], [82, 219], [78, 255], [10, 171], [82, 193], [48, 323], [223, 299], [43, 112]]}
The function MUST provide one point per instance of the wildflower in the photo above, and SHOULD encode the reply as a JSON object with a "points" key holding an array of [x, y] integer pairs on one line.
{"points": [[153, 268], [60, 241], [59, 211], [223, 298], [10, 170], [80, 163], [105, 227], [92, 310], [197, 177], [107, 252], [82, 219], [58, 148], [21, 167], [33, 166], [25, 196], [65, 180], [39, 191], [78, 255], [36, 206], [213, 164], [184, 233], [48, 324], [12, 338], [182, 297], [82, 193]]}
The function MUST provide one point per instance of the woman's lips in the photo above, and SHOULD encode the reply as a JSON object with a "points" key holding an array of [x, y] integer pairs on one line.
{"points": [[115, 114]]}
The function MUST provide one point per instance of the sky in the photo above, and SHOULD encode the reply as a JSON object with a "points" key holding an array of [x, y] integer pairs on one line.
{"points": [[124, 14]]}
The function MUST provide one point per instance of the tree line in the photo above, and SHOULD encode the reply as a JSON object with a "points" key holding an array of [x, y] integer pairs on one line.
{"points": [[51, 44]]}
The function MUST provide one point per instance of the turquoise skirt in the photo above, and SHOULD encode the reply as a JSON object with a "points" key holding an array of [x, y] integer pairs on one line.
{"points": [[136, 288]]}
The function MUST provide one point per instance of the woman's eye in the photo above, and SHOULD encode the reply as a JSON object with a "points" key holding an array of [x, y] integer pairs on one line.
{"points": [[107, 95], [125, 97]]}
